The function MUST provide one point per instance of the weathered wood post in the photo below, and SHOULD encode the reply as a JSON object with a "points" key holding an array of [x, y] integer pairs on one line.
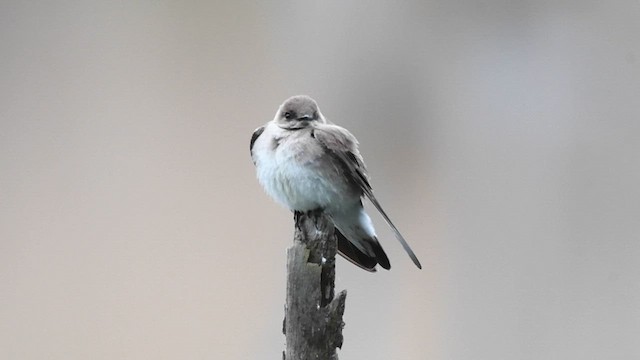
{"points": [[313, 316]]}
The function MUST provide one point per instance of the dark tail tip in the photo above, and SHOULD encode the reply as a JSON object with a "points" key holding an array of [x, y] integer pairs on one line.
{"points": [[381, 256]]}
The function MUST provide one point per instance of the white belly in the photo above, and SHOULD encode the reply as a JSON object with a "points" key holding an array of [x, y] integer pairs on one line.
{"points": [[293, 185], [300, 182]]}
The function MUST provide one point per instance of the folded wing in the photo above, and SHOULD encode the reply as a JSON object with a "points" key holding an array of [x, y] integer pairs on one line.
{"points": [[344, 146]]}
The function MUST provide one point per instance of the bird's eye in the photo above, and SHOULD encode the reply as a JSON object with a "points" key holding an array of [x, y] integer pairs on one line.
{"points": [[287, 115]]}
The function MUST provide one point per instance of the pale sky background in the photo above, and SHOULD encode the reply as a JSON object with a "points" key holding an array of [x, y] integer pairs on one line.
{"points": [[503, 138]]}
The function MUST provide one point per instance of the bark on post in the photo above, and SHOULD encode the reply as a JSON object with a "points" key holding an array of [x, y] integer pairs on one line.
{"points": [[313, 316]]}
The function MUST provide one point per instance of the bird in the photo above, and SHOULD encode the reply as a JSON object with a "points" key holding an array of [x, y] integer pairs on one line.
{"points": [[307, 163]]}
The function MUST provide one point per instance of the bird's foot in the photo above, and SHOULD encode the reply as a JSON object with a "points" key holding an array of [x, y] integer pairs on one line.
{"points": [[315, 215]]}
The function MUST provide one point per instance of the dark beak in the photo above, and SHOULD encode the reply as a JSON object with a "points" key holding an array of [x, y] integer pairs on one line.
{"points": [[304, 117]]}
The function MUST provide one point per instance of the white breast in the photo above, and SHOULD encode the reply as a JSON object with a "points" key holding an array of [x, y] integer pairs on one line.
{"points": [[293, 172]]}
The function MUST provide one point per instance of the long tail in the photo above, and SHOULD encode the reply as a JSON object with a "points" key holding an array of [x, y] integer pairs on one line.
{"points": [[367, 262], [404, 243]]}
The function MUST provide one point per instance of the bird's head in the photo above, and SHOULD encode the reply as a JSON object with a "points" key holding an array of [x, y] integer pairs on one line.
{"points": [[298, 112]]}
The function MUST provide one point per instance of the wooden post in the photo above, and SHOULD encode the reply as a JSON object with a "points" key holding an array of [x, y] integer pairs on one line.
{"points": [[313, 317]]}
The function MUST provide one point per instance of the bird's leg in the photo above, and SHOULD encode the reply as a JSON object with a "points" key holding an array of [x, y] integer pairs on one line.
{"points": [[296, 218], [315, 214]]}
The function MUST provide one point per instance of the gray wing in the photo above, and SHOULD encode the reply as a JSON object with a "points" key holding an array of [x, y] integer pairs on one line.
{"points": [[344, 146], [254, 137]]}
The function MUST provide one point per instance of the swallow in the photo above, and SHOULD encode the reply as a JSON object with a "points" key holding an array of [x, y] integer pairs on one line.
{"points": [[307, 163]]}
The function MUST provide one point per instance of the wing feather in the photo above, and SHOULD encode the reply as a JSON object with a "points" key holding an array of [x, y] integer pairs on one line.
{"points": [[256, 134], [344, 146]]}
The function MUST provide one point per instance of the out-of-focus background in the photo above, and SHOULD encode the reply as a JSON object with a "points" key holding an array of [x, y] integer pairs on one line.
{"points": [[502, 137]]}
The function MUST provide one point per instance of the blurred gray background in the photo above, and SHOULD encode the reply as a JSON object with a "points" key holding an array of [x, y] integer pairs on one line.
{"points": [[501, 136]]}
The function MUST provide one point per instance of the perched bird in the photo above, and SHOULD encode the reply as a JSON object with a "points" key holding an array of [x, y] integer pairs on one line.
{"points": [[307, 163]]}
